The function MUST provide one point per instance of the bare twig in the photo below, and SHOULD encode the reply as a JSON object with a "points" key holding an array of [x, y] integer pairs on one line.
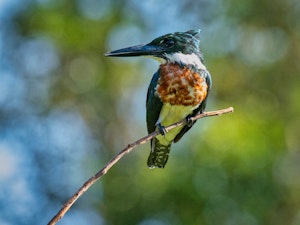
{"points": [[126, 150]]}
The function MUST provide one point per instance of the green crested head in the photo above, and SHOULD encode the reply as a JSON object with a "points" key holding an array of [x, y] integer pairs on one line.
{"points": [[178, 42], [179, 47]]}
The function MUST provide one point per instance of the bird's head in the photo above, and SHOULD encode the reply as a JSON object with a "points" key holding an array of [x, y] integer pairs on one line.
{"points": [[178, 47]]}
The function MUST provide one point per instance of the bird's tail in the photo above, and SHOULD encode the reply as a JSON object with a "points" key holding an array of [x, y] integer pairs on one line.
{"points": [[159, 154]]}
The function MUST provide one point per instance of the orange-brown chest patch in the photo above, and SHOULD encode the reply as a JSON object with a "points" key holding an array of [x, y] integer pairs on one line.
{"points": [[180, 86]]}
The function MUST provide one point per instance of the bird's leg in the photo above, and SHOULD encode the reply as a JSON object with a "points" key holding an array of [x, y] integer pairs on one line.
{"points": [[189, 121], [161, 129]]}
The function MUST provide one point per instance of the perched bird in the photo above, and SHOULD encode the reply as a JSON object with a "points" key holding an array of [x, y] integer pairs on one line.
{"points": [[178, 90]]}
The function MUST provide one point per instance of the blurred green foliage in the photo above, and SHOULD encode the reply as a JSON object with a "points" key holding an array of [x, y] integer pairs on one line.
{"points": [[241, 168]]}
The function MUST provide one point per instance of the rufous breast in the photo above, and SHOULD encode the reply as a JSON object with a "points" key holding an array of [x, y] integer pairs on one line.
{"points": [[179, 85]]}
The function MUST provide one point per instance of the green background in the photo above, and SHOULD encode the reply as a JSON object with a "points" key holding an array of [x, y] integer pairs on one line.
{"points": [[66, 110]]}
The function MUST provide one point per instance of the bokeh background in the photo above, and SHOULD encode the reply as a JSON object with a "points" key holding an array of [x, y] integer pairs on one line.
{"points": [[65, 110]]}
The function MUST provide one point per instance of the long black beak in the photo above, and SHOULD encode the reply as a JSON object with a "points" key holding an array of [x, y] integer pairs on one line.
{"points": [[139, 50]]}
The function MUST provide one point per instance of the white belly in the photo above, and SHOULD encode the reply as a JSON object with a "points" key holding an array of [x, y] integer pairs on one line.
{"points": [[169, 115]]}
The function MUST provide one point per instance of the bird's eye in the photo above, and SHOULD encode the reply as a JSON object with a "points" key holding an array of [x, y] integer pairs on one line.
{"points": [[168, 42]]}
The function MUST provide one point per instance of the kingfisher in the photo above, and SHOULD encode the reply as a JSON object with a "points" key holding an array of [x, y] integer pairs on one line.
{"points": [[178, 90]]}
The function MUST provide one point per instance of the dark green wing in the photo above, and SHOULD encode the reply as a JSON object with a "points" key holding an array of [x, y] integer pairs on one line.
{"points": [[201, 107], [153, 104]]}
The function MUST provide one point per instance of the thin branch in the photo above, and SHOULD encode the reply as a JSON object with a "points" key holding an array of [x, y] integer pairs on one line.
{"points": [[117, 157]]}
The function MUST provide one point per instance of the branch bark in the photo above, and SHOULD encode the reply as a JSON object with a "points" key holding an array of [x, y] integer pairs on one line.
{"points": [[120, 155]]}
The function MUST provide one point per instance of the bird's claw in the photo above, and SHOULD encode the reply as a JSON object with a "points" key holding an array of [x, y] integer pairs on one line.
{"points": [[161, 129], [189, 121]]}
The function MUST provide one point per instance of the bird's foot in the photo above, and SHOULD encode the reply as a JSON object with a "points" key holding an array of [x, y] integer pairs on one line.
{"points": [[189, 121], [161, 129]]}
